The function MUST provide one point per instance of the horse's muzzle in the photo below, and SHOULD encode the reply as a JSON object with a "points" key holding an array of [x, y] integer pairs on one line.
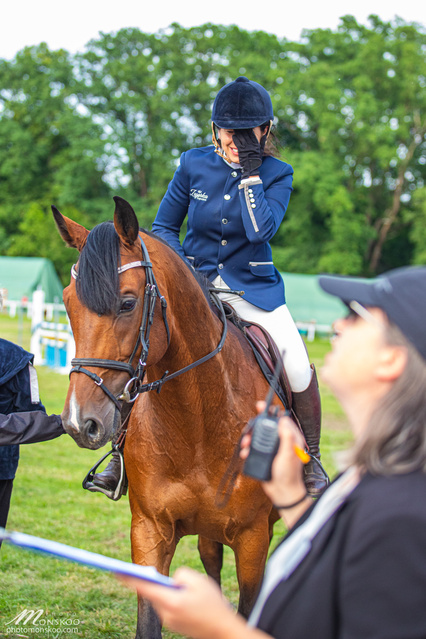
{"points": [[91, 433], [94, 434]]}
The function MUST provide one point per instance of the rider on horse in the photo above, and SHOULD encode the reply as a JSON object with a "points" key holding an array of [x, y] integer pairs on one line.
{"points": [[234, 194]]}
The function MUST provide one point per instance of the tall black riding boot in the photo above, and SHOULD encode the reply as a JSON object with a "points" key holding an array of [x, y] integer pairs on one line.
{"points": [[307, 407]]}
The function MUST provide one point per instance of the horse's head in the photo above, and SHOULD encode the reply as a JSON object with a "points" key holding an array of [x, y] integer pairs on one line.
{"points": [[111, 321]]}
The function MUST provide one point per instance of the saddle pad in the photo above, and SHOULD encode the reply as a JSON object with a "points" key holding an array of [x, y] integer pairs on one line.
{"points": [[267, 353]]}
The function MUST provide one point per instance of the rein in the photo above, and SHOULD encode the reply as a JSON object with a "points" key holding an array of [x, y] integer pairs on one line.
{"points": [[135, 385], [166, 377]]}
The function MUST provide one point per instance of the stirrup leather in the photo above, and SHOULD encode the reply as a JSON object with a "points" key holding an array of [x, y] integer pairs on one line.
{"points": [[121, 488]]}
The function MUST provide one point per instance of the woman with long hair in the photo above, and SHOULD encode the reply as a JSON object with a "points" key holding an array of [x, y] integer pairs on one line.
{"points": [[354, 562]]}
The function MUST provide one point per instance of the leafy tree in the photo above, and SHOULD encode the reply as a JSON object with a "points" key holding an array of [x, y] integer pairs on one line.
{"points": [[48, 146], [37, 237], [416, 218], [153, 95], [51, 153], [349, 108], [357, 103]]}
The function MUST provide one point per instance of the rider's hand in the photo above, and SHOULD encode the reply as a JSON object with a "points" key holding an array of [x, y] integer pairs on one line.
{"points": [[250, 151]]}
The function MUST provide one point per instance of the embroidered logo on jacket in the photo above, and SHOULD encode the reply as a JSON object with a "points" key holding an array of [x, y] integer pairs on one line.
{"points": [[198, 195]]}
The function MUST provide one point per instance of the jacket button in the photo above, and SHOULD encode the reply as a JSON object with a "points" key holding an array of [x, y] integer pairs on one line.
{"points": [[253, 206], [220, 266], [227, 197], [224, 221], [224, 242], [234, 174]]}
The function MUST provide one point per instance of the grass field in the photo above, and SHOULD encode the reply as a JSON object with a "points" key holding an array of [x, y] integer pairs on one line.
{"points": [[48, 501]]}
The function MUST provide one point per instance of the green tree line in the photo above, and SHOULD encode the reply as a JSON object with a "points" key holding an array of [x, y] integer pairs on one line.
{"points": [[350, 117]]}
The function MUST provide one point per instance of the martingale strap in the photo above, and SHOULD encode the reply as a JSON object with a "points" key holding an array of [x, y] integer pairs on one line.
{"points": [[159, 382]]}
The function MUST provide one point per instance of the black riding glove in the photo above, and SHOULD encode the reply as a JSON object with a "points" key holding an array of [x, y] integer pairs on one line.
{"points": [[250, 151]]}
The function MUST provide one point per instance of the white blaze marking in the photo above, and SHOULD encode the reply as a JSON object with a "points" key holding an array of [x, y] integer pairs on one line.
{"points": [[74, 410]]}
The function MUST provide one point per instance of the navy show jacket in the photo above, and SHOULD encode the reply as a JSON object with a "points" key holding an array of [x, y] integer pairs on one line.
{"points": [[229, 224], [15, 396]]}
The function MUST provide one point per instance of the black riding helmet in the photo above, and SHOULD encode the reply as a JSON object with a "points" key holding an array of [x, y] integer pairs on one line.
{"points": [[242, 104]]}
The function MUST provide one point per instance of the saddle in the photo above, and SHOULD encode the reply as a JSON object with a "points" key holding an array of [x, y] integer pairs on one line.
{"points": [[265, 351]]}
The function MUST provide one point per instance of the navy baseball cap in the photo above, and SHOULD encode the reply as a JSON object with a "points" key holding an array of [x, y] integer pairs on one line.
{"points": [[400, 293]]}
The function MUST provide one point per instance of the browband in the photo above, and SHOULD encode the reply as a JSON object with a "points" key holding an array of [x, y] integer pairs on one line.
{"points": [[120, 269]]}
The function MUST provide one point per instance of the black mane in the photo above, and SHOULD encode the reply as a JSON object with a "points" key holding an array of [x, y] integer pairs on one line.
{"points": [[97, 282], [98, 286]]}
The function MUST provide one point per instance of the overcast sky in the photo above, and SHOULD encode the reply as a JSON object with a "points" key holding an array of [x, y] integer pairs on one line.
{"points": [[70, 25]]}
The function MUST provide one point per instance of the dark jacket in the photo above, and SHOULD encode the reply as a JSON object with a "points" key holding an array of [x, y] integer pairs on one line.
{"points": [[228, 228], [365, 577], [29, 428], [18, 392]]}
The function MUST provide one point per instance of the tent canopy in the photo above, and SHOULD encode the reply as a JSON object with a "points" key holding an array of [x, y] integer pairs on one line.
{"points": [[21, 276], [307, 302]]}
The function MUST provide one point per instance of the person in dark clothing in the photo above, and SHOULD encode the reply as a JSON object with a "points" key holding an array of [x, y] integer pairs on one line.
{"points": [[23, 418], [29, 428], [354, 562]]}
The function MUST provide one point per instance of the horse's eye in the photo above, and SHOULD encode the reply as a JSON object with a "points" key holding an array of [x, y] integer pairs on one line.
{"points": [[127, 305]]}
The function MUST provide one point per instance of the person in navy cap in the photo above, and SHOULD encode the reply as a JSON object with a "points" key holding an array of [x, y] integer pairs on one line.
{"points": [[353, 564], [23, 418], [234, 195]]}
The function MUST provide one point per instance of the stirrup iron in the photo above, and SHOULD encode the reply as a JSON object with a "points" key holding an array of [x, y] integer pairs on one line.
{"points": [[121, 488]]}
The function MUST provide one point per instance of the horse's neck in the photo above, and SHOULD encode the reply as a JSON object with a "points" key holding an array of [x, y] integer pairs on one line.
{"points": [[196, 331]]}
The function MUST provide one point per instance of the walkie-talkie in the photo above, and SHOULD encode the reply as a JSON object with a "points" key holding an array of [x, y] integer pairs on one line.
{"points": [[265, 439]]}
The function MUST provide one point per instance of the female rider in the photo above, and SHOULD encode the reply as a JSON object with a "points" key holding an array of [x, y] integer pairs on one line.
{"points": [[234, 195]]}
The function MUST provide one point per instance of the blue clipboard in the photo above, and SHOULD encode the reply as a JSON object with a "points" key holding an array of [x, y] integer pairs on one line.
{"points": [[94, 560]]}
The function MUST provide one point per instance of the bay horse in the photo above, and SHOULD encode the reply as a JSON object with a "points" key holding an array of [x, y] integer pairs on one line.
{"points": [[179, 441]]}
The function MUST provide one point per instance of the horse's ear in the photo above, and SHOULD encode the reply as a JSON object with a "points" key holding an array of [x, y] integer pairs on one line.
{"points": [[72, 233], [125, 221]]}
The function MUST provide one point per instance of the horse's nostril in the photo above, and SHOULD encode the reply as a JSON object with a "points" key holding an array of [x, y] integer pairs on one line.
{"points": [[92, 429]]}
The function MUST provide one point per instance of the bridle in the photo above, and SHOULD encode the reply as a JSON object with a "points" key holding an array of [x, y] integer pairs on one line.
{"points": [[135, 385]]}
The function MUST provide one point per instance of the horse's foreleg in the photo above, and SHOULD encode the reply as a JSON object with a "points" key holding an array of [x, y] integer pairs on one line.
{"points": [[149, 625], [150, 548], [211, 554], [251, 550]]}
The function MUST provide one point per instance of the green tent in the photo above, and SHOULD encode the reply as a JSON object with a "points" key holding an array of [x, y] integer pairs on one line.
{"points": [[21, 276], [307, 302]]}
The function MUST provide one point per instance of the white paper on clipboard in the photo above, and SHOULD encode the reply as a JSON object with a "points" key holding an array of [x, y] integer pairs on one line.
{"points": [[56, 549]]}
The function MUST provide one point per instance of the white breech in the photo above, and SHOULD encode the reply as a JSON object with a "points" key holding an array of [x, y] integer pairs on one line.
{"points": [[281, 327]]}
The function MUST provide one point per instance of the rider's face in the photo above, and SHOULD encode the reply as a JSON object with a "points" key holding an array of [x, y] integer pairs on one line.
{"points": [[228, 146]]}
